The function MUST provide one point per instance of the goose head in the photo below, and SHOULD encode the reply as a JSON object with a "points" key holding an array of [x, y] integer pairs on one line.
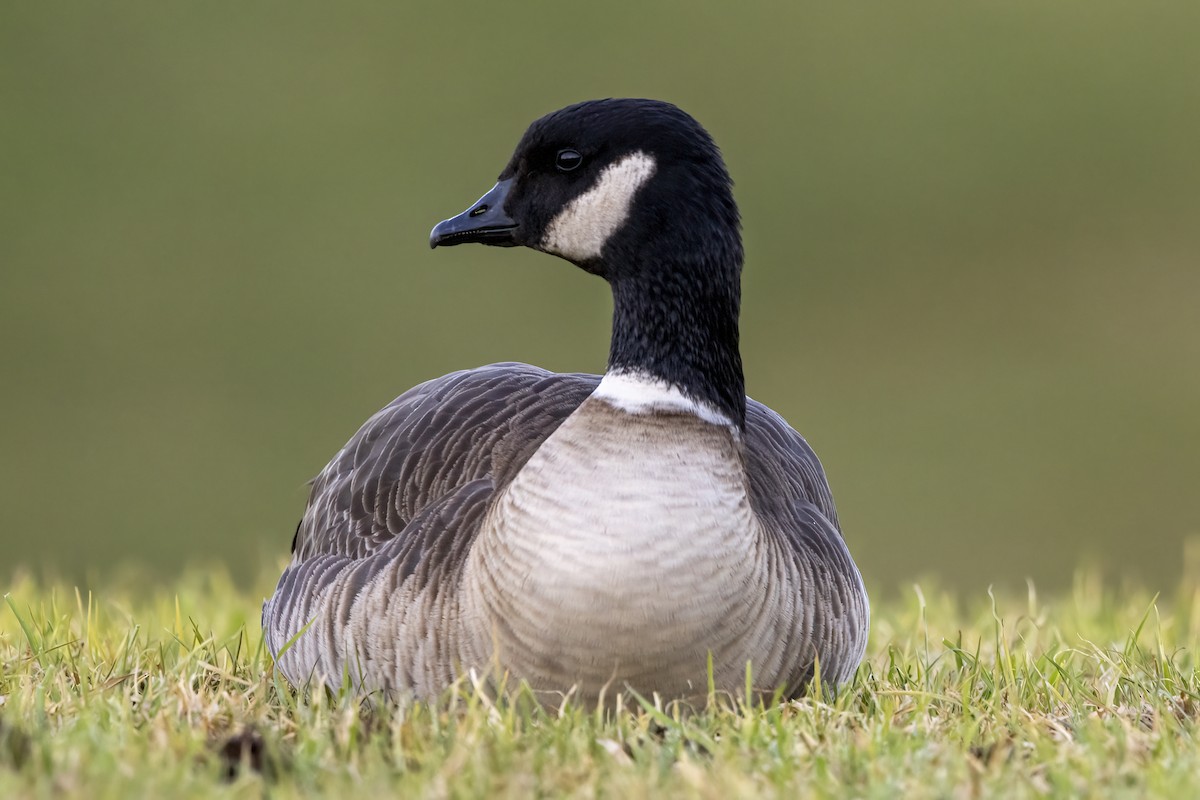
{"points": [[634, 191], [600, 182]]}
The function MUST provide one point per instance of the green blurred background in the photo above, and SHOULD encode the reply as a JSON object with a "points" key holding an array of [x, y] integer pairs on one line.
{"points": [[973, 238]]}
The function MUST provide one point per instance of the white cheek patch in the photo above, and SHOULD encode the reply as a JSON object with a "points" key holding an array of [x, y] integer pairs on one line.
{"points": [[581, 229], [638, 393]]}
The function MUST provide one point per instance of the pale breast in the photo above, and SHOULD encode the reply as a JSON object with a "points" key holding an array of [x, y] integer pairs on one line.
{"points": [[626, 549]]}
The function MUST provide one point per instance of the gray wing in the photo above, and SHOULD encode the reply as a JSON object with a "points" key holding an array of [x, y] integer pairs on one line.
{"points": [[428, 445], [408, 494], [783, 469], [791, 496]]}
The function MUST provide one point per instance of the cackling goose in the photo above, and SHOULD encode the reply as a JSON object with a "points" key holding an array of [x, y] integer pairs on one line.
{"points": [[577, 532]]}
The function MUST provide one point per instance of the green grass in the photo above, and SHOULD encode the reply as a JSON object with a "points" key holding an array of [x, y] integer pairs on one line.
{"points": [[168, 693]]}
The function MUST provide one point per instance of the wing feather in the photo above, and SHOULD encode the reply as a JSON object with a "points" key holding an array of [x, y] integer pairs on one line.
{"points": [[429, 443], [791, 496]]}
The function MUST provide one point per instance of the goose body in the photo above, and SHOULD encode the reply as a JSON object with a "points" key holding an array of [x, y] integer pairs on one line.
{"points": [[583, 533]]}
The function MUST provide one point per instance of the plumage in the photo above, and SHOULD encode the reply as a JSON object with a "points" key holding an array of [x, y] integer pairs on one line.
{"points": [[515, 520]]}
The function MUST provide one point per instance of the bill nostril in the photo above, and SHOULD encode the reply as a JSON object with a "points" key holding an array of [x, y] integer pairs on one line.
{"points": [[480, 209]]}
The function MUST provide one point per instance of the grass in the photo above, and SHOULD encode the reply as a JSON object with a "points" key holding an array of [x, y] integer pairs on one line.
{"points": [[169, 693]]}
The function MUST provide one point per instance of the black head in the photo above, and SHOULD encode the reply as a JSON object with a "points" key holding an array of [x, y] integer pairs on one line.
{"points": [[605, 184]]}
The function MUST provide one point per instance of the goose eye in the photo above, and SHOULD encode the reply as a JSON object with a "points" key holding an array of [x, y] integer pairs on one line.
{"points": [[567, 160]]}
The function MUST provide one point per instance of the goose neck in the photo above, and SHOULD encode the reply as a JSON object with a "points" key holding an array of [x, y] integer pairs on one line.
{"points": [[679, 327]]}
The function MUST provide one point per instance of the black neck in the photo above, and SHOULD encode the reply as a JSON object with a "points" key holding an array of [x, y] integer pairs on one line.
{"points": [[678, 323]]}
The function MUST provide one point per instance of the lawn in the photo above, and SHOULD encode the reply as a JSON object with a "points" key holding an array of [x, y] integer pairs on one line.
{"points": [[169, 693]]}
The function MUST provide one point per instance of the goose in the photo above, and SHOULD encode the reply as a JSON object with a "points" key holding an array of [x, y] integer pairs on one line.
{"points": [[649, 529]]}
